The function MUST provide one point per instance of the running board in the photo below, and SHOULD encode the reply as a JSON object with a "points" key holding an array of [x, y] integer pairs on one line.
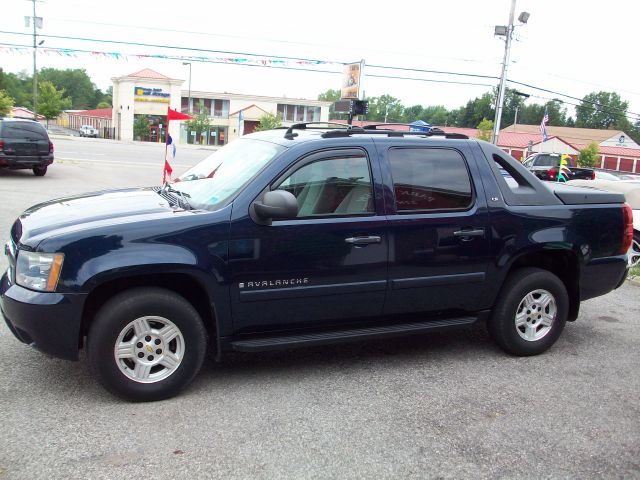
{"points": [[339, 336]]}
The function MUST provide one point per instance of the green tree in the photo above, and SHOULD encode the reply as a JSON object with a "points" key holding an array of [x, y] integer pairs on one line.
{"points": [[51, 100], [6, 103], [19, 87], [78, 85], [140, 127], [589, 156], [532, 114], [413, 113], [435, 115], [199, 124], [475, 111], [385, 108], [268, 121], [104, 105], [332, 96], [485, 127], [512, 101], [601, 110]]}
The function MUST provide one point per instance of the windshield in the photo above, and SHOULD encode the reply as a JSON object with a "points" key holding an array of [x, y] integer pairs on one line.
{"points": [[217, 178]]}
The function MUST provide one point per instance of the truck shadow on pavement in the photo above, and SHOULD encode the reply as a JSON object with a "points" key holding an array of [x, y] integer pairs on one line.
{"points": [[438, 351]]}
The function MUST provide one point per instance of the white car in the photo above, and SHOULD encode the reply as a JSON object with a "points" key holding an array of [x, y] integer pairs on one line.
{"points": [[88, 131], [631, 191]]}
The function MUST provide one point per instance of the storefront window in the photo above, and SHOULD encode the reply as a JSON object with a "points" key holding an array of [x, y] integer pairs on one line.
{"points": [[298, 113]]}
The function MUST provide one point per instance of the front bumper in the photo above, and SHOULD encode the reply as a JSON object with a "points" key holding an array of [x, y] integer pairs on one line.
{"points": [[50, 322]]}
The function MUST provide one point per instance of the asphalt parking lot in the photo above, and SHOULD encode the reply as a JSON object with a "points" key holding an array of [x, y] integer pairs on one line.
{"points": [[446, 405]]}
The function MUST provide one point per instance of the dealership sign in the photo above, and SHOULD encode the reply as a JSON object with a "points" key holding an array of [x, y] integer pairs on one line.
{"points": [[351, 81], [144, 94]]}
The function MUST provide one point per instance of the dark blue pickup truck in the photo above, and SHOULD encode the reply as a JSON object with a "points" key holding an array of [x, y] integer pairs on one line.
{"points": [[306, 236]]}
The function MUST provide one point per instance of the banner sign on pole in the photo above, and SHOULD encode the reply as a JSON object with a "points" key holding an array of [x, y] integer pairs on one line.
{"points": [[351, 81]]}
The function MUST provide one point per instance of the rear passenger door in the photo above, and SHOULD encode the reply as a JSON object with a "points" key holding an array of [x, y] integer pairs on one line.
{"points": [[438, 230]]}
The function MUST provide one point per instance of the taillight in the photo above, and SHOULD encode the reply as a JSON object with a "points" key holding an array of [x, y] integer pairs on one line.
{"points": [[1, 145], [627, 216], [50, 147], [552, 173], [593, 174]]}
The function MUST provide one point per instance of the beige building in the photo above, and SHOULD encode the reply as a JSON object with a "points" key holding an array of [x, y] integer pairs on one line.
{"points": [[148, 94]]}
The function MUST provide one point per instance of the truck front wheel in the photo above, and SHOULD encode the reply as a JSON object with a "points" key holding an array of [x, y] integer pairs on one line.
{"points": [[146, 344], [530, 313]]}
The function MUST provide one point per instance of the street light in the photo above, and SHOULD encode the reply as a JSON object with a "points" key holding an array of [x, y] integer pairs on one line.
{"points": [[507, 32], [189, 104], [525, 96]]}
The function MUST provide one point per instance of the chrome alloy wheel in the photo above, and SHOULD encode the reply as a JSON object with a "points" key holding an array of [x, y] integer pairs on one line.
{"points": [[149, 349], [535, 315]]}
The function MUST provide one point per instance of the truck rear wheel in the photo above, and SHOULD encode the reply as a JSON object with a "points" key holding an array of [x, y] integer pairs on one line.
{"points": [[146, 344], [530, 313]]}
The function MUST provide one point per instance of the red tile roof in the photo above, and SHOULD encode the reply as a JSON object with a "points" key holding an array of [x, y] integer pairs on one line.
{"points": [[22, 112], [247, 108], [615, 151], [98, 112], [148, 73], [518, 140]]}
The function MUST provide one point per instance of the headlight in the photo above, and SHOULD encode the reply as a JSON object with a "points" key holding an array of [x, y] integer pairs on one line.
{"points": [[38, 271]]}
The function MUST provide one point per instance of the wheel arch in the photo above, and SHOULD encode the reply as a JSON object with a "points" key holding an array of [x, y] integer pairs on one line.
{"points": [[563, 263], [183, 284]]}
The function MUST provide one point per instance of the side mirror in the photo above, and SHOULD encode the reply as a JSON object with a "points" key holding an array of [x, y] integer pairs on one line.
{"points": [[277, 204]]}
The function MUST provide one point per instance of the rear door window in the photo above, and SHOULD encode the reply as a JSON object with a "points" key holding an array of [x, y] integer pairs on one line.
{"points": [[426, 179]]}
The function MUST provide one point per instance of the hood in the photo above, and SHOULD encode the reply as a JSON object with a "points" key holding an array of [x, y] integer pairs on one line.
{"points": [[96, 208]]}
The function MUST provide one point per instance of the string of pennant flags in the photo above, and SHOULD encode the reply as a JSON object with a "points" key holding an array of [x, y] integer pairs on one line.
{"points": [[76, 53]]}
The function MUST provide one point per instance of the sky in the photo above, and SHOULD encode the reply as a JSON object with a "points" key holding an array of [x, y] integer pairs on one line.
{"points": [[567, 46]]}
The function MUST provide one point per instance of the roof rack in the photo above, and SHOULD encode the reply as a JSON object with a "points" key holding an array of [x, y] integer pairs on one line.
{"points": [[341, 130], [392, 133], [289, 135]]}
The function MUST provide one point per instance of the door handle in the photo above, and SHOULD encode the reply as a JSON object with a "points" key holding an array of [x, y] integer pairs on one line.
{"points": [[466, 235], [363, 240]]}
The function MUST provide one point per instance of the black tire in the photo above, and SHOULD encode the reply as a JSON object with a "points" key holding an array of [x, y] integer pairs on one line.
{"points": [[114, 317], [39, 171], [502, 323]]}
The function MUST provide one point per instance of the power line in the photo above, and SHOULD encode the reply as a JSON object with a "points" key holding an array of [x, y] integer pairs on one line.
{"points": [[453, 82], [241, 37], [192, 49], [314, 61], [595, 104]]}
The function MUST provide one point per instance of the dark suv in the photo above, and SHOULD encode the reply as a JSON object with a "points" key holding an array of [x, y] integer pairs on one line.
{"points": [[303, 237], [25, 144]]}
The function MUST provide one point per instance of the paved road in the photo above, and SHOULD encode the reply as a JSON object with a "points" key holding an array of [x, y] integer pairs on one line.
{"points": [[447, 405], [136, 153]]}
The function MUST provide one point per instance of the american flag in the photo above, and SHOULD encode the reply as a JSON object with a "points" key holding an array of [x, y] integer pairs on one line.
{"points": [[543, 125]]}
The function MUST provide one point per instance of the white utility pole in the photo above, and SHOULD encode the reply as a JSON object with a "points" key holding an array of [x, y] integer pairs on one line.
{"points": [[37, 23], [503, 77]]}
